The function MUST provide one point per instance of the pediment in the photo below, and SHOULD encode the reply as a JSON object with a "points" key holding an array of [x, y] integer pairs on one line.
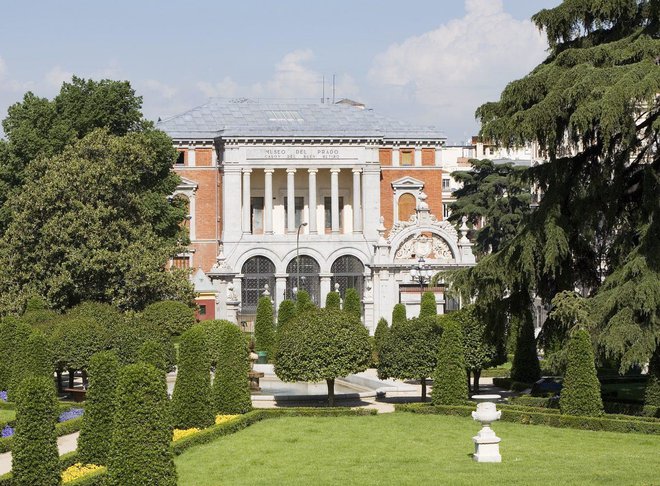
{"points": [[407, 183]]}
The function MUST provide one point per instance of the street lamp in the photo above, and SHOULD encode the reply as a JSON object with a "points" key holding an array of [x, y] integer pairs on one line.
{"points": [[421, 272], [300, 226]]}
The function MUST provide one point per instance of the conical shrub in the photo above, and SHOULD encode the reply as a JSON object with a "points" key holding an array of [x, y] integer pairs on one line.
{"points": [[264, 327], [450, 377], [580, 394], [525, 366], [285, 313], [428, 306], [398, 314], [352, 303], [231, 389], [332, 301]]}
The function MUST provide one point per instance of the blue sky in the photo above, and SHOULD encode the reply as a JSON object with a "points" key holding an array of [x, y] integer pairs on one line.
{"points": [[421, 61]]}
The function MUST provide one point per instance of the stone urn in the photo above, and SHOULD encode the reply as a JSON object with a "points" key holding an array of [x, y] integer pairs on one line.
{"points": [[486, 443]]}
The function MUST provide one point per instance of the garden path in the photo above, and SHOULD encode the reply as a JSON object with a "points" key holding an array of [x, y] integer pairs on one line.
{"points": [[66, 443]]}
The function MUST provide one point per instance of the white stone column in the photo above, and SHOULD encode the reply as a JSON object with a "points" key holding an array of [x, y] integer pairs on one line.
{"points": [[325, 287], [357, 201], [312, 201], [280, 290], [291, 200], [438, 156], [334, 197], [191, 155], [371, 199], [231, 205], [192, 214], [396, 157], [246, 200], [418, 156], [268, 200]]}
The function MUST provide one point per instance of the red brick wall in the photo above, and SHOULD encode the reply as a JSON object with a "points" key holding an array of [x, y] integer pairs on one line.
{"points": [[385, 156], [428, 157], [203, 157], [210, 308]]}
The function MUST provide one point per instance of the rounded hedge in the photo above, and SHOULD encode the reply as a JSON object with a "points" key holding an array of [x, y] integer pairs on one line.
{"points": [[380, 336], [35, 458], [398, 314], [155, 353], [231, 388], [450, 377], [580, 394], [652, 392], [286, 312], [264, 327], [428, 306], [97, 421], [170, 317], [304, 302], [140, 447], [76, 338], [39, 356], [525, 367], [352, 303], [333, 301], [191, 400]]}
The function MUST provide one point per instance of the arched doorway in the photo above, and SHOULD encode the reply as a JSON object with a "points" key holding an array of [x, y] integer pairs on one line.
{"points": [[304, 275], [348, 272], [257, 272]]}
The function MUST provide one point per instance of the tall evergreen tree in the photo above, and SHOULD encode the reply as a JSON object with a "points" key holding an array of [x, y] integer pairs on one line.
{"points": [[333, 301], [428, 307], [231, 392], [285, 313], [380, 336], [398, 314], [525, 367], [264, 327], [304, 302], [352, 303], [449, 383], [580, 394]]}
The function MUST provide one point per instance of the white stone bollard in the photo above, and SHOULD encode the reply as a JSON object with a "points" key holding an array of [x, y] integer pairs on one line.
{"points": [[486, 443]]}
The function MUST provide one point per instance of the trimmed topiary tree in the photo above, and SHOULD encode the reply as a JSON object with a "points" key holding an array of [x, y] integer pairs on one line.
{"points": [[155, 353], [322, 345], [169, 317], [428, 306], [97, 421], [264, 327], [580, 394], [304, 302], [525, 366], [398, 314], [39, 357], [18, 357], [285, 313], [140, 447], [352, 303], [380, 336], [410, 351], [449, 380], [35, 458], [652, 392], [333, 301], [231, 388], [191, 400]]}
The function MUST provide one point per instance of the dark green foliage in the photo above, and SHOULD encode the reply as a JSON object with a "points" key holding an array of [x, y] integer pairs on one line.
{"points": [[35, 459], [169, 317], [76, 338], [140, 448], [580, 394], [264, 327], [155, 352], [428, 307], [286, 312], [525, 366], [39, 356], [12, 334], [333, 301], [352, 302], [97, 421], [322, 345], [303, 302], [231, 391], [381, 334], [43, 320], [191, 400], [398, 314], [478, 351], [19, 356], [129, 337], [449, 383], [652, 392], [410, 351], [215, 338]]}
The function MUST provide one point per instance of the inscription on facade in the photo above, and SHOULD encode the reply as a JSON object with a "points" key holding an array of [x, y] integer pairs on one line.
{"points": [[301, 153]]}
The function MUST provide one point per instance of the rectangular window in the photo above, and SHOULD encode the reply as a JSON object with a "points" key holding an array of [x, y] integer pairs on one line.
{"points": [[299, 204], [327, 204], [181, 158], [445, 184], [202, 310], [257, 218], [445, 210], [406, 157]]}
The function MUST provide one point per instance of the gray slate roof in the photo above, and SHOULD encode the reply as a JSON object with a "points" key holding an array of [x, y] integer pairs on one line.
{"points": [[254, 118]]}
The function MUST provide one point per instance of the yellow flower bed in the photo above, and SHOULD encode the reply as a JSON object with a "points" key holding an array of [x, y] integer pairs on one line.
{"points": [[79, 470], [222, 419], [181, 433]]}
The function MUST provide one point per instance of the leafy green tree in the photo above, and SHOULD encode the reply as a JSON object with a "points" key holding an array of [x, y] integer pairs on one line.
{"points": [[38, 317], [580, 394], [381, 335], [97, 421], [169, 317], [264, 327], [592, 108], [428, 307], [496, 195], [410, 351], [352, 302], [231, 389], [115, 189], [398, 314], [304, 302], [285, 313], [525, 366], [478, 351], [155, 353], [322, 345], [140, 447], [191, 400], [333, 301], [35, 459], [449, 384]]}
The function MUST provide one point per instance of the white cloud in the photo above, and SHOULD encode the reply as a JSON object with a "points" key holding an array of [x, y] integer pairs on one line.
{"points": [[451, 70], [161, 89], [3, 68], [56, 76], [292, 78]]}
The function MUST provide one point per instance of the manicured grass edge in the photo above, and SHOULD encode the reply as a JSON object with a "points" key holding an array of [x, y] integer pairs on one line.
{"points": [[541, 417]]}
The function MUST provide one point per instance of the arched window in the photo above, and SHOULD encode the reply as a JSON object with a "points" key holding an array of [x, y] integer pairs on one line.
{"points": [[348, 272], [304, 269], [257, 272], [407, 205]]}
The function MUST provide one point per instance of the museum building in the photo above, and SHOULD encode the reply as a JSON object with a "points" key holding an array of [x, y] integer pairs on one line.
{"points": [[315, 196]]}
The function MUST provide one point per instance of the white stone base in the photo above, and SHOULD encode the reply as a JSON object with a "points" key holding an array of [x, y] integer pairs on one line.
{"points": [[487, 448]]}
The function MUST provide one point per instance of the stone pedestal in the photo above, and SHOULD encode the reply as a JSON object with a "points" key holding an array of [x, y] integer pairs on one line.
{"points": [[486, 443]]}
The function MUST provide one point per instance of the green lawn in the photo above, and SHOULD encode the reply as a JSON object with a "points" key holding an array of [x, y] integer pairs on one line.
{"points": [[7, 415], [411, 449]]}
